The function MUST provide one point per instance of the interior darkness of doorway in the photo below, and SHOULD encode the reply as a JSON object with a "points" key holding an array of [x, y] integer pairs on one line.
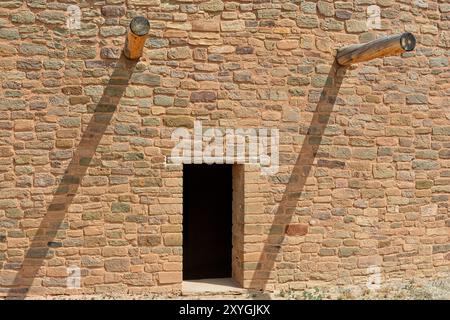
{"points": [[207, 221]]}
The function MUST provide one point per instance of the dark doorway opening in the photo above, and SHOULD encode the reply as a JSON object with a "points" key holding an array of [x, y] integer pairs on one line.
{"points": [[207, 221]]}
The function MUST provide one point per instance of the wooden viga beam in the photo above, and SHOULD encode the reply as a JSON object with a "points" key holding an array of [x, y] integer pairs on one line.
{"points": [[383, 47], [136, 36]]}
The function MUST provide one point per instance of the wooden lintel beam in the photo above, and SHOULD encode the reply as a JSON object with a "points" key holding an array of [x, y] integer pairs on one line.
{"points": [[136, 36], [383, 47]]}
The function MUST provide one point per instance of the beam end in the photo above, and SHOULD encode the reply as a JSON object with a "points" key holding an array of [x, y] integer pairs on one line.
{"points": [[379, 48], [408, 41], [140, 26], [136, 37]]}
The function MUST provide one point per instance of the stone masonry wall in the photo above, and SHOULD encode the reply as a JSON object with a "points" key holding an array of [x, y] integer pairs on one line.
{"points": [[364, 175]]}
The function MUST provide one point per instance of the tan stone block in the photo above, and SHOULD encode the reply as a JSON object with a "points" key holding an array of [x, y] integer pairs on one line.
{"points": [[117, 264], [17, 243], [170, 277], [114, 251], [232, 26], [150, 258], [364, 262], [93, 231], [137, 269], [8, 278], [113, 277], [144, 2], [287, 44], [387, 141], [221, 49], [64, 143], [179, 25], [172, 266], [57, 272], [23, 125], [173, 239], [310, 247], [206, 25], [90, 280]]}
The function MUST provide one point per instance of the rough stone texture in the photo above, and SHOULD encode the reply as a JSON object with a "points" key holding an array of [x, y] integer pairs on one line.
{"points": [[297, 229], [377, 192]]}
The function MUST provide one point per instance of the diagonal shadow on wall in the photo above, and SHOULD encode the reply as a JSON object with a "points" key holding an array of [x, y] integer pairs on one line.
{"points": [[40, 247], [297, 180]]}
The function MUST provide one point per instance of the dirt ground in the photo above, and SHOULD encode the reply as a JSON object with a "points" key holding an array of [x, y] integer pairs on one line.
{"points": [[420, 289]]}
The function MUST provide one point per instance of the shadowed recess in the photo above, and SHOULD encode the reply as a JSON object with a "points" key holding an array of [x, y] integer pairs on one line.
{"points": [[297, 180], [43, 241]]}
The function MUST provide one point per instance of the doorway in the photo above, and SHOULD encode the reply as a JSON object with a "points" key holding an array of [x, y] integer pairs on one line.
{"points": [[207, 221]]}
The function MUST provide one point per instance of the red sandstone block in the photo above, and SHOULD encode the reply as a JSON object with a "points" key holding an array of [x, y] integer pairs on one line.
{"points": [[297, 229]]}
